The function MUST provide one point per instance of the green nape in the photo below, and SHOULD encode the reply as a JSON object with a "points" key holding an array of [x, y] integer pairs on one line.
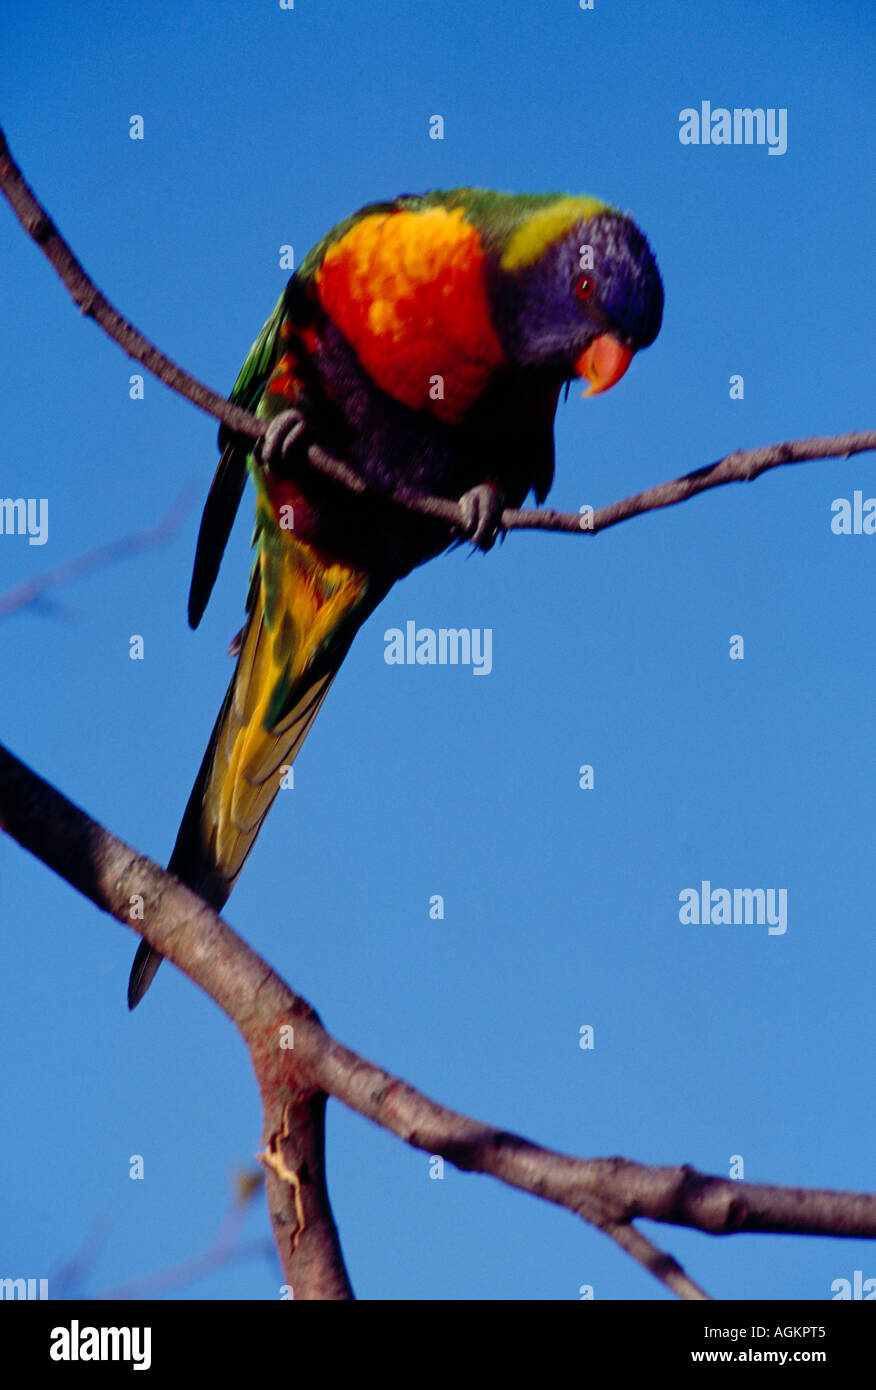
{"points": [[518, 227]]}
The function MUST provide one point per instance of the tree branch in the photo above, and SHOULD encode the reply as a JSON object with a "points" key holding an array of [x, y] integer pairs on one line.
{"points": [[743, 465], [123, 883], [41, 229], [297, 1064]]}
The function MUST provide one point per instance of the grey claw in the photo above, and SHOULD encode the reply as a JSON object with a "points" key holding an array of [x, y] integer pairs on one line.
{"points": [[482, 508], [281, 435]]}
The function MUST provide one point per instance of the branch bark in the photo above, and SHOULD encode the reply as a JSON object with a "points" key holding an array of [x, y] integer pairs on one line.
{"points": [[295, 1080]]}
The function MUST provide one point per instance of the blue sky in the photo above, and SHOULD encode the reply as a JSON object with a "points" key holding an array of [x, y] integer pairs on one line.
{"points": [[265, 127]]}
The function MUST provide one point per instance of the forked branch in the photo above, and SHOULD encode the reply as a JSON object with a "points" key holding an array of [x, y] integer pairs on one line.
{"points": [[298, 1064]]}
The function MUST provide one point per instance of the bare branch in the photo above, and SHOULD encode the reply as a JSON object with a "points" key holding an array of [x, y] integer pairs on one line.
{"points": [[113, 876], [40, 227], [223, 1249], [70, 1280], [740, 466], [298, 1063]]}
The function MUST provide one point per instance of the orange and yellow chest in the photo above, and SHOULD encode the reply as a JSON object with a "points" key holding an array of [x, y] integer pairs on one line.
{"points": [[407, 290]]}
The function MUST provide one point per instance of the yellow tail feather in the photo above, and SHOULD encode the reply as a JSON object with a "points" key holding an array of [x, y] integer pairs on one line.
{"points": [[303, 615]]}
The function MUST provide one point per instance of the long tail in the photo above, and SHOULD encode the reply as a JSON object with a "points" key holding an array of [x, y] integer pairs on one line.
{"points": [[290, 652]]}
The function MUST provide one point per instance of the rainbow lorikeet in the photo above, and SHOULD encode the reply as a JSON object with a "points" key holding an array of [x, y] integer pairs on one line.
{"points": [[425, 342]]}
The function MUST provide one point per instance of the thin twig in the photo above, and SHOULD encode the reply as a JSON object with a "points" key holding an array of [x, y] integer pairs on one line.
{"points": [[31, 591], [664, 1267], [222, 1250]]}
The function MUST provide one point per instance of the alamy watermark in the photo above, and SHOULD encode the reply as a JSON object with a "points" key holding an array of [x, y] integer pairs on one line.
{"points": [[444, 646], [29, 517], [853, 516], [744, 125], [77, 1343], [735, 907], [11, 1289]]}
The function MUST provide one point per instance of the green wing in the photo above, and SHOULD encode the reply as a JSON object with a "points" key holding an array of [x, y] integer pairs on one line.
{"points": [[228, 483]]}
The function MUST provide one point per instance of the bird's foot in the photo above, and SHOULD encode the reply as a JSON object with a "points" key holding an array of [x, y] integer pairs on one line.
{"points": [[280, 438], [482, 508]]}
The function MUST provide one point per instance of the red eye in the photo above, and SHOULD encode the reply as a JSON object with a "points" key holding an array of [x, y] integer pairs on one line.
{"points": [[584, 286]]}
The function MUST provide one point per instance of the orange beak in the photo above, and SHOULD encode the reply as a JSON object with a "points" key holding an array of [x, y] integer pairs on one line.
{"points": [[603, 363]]}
